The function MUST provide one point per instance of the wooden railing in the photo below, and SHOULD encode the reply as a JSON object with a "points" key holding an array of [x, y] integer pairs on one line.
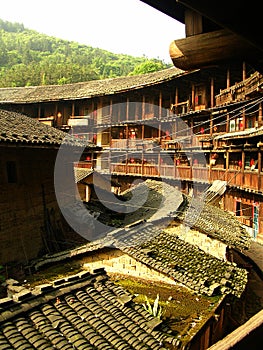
{"points": [[240, 90], [245, 180], [83, 164]]}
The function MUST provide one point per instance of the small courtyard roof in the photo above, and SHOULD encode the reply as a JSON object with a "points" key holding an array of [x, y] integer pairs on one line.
{"points": [[16, 128], [83, 311]]}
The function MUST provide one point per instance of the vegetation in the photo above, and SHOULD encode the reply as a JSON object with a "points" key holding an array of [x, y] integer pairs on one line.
{"points": [[155, 310], [30, 58]]}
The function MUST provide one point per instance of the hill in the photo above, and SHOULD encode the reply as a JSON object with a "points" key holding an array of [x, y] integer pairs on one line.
{"points": [[31, 58]]}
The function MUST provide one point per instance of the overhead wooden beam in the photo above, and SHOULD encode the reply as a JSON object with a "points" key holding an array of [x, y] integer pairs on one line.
{"points": [[211, 48]]}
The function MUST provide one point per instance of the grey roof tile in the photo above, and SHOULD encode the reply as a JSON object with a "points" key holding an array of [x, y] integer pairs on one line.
{"points": [[87, 89], [20, 129], [81, 314]]}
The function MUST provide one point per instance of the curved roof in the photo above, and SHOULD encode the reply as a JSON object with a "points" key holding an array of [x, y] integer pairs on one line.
{"points": [[93, 88]]}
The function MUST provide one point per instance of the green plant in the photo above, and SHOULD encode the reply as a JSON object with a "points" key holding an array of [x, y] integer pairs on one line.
{"points": [[155, 310]]}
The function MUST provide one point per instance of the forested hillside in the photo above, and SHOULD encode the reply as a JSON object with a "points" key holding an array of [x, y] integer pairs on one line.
{"points": [[30, 58]]}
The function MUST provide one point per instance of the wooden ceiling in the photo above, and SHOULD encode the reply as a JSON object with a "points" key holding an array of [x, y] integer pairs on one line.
{"points": [[241, 18]]}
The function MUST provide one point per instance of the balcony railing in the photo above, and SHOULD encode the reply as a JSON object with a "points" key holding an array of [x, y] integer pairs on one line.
{"points": [[251, 180]]}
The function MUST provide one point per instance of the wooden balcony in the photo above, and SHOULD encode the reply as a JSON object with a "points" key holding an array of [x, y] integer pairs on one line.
{"points": [[248, 180], [240, 90], [83, 164], [200, 174]]}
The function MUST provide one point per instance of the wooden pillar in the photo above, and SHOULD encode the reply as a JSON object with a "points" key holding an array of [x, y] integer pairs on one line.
{"points": [[259, 169], [212, 93], [244, 71], [228, 84], [73, 109], [142, 167], [227, 160], [159, 164], [126, 163], [143, 107], [176, 100], [193, 97], [243, 119], [111, 107], [227, 122], [142, 131], [243, 167], [211, 125], [127, 108], [260, 115], [160, 104]]}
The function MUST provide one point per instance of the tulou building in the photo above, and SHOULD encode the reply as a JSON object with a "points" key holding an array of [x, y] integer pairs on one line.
{"points": [[194, 134], [199, 130]]}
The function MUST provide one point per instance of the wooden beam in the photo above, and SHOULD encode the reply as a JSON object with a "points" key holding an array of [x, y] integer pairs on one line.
{"points": [[207, 49]]}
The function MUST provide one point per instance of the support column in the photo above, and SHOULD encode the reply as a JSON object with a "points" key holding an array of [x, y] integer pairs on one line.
{"points": [[228, 84], [259, 169], [193, 97], [212, 93], [260, 115], [160, 104], [143, 107], [227, 122], [127, 108], [244, 70], [73, 109]]}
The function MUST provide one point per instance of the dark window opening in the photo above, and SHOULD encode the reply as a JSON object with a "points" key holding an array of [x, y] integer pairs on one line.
{"points": [[11, 172]]}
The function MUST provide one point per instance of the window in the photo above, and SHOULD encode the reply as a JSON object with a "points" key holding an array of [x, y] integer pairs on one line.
{"points": [[11, 172]]}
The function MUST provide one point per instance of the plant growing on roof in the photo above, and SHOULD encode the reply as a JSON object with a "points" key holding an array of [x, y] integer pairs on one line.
{"points": [[155, 310]]}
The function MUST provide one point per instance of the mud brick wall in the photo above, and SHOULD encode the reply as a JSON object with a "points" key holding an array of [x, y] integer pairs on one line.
{"points": [[115, 261], [22, 203], [207, 244]]}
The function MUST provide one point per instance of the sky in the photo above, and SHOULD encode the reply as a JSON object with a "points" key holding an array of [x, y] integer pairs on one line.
{"points": [[119, 26]]}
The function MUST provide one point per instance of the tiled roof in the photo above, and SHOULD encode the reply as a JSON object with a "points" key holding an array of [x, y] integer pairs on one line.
{"points": [[81, 173], [167, 253], [84, 311], [215, 222], [252, 132], [88, 89], [17, 128], [148, 243]]}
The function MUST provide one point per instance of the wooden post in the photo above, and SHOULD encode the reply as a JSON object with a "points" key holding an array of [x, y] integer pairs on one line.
{"points": [[260, 115], [227, 122], [110, 112], [176, 100], [259, 169], [212, 93], [142, 131], [127, 109], [211, 125], [244, 70], [193, 97], [143, 107], [243, 119], [228, 78], [160, 104], [73, 109], [243, 168], [227, 160]]}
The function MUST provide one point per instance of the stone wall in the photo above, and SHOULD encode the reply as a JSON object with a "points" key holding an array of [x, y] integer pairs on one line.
{"points": [[115, 261]]}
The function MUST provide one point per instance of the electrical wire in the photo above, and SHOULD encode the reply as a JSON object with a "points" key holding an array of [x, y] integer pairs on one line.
{"points": [[237, 112]]}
